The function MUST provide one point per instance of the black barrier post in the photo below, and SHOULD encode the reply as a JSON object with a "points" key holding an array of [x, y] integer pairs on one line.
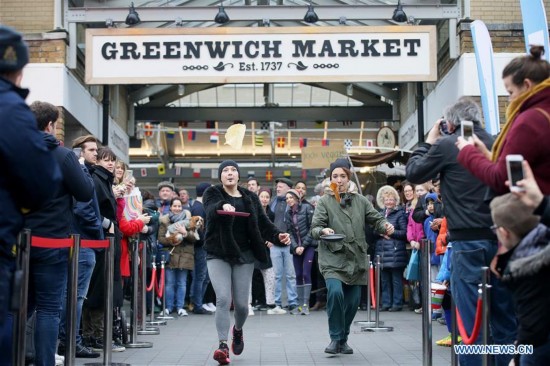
{"points": [[133, 321], [425, 254], [143, 328], [377, 326], [152, 320], [454, 333], [164, 316], [72, 289], [20, 297], [485, 296]]}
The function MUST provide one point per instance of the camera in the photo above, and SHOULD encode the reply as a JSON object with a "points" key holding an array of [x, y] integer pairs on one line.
{"points": [[443, 128]]}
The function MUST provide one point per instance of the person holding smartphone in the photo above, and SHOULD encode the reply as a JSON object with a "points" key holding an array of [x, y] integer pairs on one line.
{"points": [[527, 128]]}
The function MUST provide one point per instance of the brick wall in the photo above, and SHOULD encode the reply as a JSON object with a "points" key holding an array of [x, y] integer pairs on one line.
{"points": [[47, 51], [27, 16]]}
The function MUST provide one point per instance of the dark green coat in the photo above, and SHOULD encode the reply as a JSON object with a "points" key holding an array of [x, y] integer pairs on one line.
{"points": [[345, 260]]}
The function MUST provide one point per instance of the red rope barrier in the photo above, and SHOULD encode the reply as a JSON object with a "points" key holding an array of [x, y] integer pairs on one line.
{"points": [[52, 243], [160, 291], [153, 279], [477, 324], [94, 244], [372, 293]]}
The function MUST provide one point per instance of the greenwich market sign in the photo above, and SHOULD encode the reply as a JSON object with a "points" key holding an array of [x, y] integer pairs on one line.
{"points": [[248, 55]]}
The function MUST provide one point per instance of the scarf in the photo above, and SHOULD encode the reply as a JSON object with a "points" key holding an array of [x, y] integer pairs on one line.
{"points": [[177, 217], [511, 113]]}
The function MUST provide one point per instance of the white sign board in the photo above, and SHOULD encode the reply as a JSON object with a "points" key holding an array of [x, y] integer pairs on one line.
{"points": [[248, 55]]}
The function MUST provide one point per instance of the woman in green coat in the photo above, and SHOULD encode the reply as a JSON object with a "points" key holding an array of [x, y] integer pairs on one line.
{"points": [[343, 262]]}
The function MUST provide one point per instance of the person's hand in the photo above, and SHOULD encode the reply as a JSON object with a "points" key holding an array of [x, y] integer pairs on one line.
{"points": [[327, 231], [119, 190], [434, 133], [228, 207], [481, 147], [436, 224], [415, 245], [81, 160], [145, 229], [389, 229], [461, 142], [181, 229], [284, 238], [269, 244], [531, 196], [129, 186], [111, 229], [299, 250], [144, 218]]}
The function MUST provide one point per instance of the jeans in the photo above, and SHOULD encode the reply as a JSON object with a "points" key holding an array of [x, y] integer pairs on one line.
{"points": [[283, 264], [466, 262], [392, 287], [342, 303], [176, 283], [200, 277], [86, 263], [7, 267]]}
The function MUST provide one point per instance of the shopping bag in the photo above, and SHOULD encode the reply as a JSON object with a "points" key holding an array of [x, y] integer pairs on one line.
{"points": [[412, 273]]}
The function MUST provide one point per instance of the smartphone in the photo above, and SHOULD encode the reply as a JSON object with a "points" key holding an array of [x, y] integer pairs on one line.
{"points": [[77, 151], [515, 171], [467, 129], [128, 174], [443, 127]]}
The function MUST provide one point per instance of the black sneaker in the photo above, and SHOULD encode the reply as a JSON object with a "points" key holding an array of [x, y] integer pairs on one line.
{"points": [[222, 354], [85, 352], [61, 348], [237, 345], [201, 311]]}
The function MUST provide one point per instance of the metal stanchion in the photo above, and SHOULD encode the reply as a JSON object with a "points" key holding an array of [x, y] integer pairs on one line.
{"points": [[368, 322], [377, 326], [133, 343], [454, 333], [72, 292], [108, 304], [485, 296], [20, 297], [163, 316], [143, 328], [152, 320], [425, 254]]}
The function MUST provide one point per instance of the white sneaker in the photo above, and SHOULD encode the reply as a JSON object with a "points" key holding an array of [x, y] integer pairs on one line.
{"points": [[211, 307], [277, 310], [59, 360], [182, 312], [165, 312], [250, 310]]}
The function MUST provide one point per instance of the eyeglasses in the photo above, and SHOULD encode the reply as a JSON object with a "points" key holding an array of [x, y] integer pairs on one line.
{"points": [[494, 228]]}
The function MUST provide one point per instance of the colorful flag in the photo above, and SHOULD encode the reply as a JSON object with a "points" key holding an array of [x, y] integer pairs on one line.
{"points": [[325, 142], [148, 129], [287, 173], [348, 144], [209, 124], [143, 172], [303, 142], [281, 142], [182, 124], [265, 125], [369, 143], [214, 138], [291, 124], [304, 174], [268, 175], [170, 134], [196, 173], [259, 140], [161, 169], [191, 135], [178, 170]]}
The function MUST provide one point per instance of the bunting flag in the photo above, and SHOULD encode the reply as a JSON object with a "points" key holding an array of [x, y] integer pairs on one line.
{"points": [[348, 144], [178, 170], [259, 140], [268, 175], [161, 169], [251, 173], [209, 124], [265, 125], [182, 124], [143, 172], [214, 137], [196, 173], [291, 124], [148, 129], [214, 174], [304, 174], [369, 143], [325, 142], [287, 173], [281, 142], [303, 142], [191, 135]]}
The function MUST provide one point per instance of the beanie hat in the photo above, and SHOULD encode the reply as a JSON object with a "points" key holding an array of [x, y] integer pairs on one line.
{"points": [[14, 53], [166, 183], [201, 187], [295, 193], [431, 197], [268, 190], [339, 163], [286, 181], [227, 163]]}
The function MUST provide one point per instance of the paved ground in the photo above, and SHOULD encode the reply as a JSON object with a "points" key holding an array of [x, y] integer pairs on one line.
{"points": [[275, 340]]}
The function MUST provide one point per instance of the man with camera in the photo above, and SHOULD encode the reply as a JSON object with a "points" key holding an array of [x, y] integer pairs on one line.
{"points": [[469, 222]]}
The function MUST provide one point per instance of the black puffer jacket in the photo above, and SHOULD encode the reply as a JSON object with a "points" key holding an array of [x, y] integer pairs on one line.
{"points": [[299, 225], [393, 253], [219, 240]]}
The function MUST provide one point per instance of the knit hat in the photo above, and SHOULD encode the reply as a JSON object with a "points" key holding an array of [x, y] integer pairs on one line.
{"points": [[268, 190], [14, 53], [286, 181], [201, 187], [431, 197], [295, 193], [227, 163], [166, 183], [339, 163]]}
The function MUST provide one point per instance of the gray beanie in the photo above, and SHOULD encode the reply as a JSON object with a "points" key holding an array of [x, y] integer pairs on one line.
{"points": [[166, 183], [227, 163], [339, 163], [14, 53]]}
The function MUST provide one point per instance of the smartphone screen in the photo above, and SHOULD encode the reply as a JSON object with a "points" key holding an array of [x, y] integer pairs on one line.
{"points": [[443, 128], [516, 172], [467, 129]]}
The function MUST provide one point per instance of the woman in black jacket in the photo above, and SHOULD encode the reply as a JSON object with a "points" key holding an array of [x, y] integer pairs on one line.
{"points": [[236, 235], [392, 249]]}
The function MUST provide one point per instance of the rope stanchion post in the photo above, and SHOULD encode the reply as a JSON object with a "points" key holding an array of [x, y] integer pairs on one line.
{"points": [[143, 329], [163, 292], [20, 297], [369, 322], [152, 288], [454, 334], [133, 343], [485, 297], [425, 252], [377, 326], [72, 289]]}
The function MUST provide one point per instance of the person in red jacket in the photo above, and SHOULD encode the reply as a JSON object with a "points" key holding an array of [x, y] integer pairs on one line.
{"points": [[527, 128]]}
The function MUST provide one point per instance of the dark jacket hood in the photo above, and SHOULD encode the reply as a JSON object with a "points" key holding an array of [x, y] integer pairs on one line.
{"points": [[50, 140], [530, 255]]}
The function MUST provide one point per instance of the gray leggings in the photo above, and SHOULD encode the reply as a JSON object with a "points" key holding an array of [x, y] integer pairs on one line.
{"points": [[227, 279]]}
